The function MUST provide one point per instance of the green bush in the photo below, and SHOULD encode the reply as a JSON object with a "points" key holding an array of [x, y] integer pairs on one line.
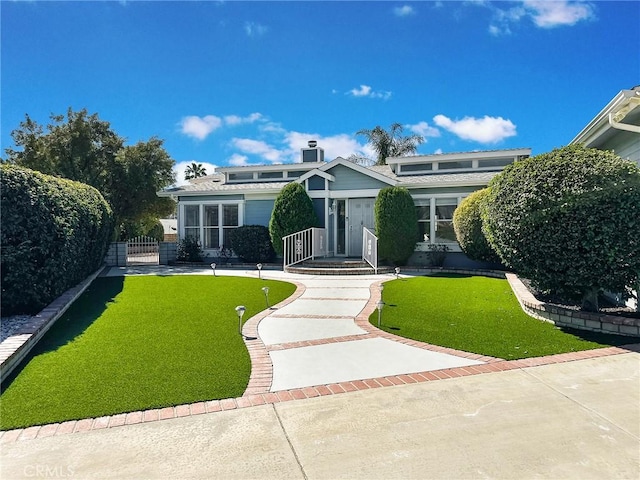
{"points": [[396, 224], [157, 232], [292, 212], [569, 221], [467, 223], [54, 232], [251, 243], [189, 250]]}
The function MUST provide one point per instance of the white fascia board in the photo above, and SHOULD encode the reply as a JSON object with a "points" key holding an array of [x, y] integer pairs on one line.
{"points": [[313, 173], [359, 169], [444, 157], [467, 183], [599, 125], [270, 168]]}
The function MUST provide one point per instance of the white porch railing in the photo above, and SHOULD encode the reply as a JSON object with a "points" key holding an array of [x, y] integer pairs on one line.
{"points": [[303, 245], [370, 248]]}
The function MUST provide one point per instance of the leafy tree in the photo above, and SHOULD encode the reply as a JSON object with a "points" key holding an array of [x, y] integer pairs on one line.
{"points": [[467, 223], [84, 148], [391, 143], [568, 220], [396, 224], [292, 212], [195, 170]]}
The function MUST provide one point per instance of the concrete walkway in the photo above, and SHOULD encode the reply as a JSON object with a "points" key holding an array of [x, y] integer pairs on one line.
{"points": [[444, 413]]}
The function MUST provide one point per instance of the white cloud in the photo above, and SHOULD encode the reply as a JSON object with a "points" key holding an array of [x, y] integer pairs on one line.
{"points": [[180, 167], [238, 160], [543, 14], [237, 120], [482, 130], [200, 127], [258, 147], [404, 11], [253, 29], [546, 14], [424, 129], [367, 91], [341, 145]]}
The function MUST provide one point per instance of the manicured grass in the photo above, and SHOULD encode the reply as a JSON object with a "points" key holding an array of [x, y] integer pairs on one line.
{"points": [[132, 343], [479, 315]]}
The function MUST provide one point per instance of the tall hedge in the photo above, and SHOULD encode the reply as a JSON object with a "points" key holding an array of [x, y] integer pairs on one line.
{"points": [[467, 223], [396, 224], [292, 212], [569, 220], [54, 232]]}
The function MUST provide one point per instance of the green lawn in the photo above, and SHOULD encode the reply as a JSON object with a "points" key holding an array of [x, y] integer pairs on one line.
{"points": [[479, 315], [132, 343]]}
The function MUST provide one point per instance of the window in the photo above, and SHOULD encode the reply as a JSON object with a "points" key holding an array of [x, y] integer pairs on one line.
{"points": [[236, 177], [211, 226], [295, 173], [496, 162], [424, 222], [444, 232], [192, 221], [218, 221], [269, 175], [418, 167], [454, 165]]}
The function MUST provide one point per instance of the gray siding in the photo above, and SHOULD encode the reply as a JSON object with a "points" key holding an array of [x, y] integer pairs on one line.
{"points": [[624, 144], [347, 179], [258, 212]]}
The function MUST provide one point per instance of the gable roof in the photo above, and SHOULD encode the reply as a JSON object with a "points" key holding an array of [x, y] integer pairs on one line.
{"points": [[353, 166]]}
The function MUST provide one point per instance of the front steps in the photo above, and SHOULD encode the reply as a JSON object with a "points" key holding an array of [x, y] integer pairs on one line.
{"points": [[335, 266]]}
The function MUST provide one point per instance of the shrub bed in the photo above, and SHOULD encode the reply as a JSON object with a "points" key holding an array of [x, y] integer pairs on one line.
{"points": [[252, 244]]}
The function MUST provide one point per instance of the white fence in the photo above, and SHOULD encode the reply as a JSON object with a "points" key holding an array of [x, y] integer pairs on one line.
{"points": [[370, 248], [143, 251], [306, 244]]}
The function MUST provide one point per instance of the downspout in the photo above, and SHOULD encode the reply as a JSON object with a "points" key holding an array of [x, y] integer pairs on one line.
{"points": [[615, 119]]}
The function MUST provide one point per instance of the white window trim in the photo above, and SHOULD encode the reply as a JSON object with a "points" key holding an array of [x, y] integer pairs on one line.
{"points": [[202, 204]]}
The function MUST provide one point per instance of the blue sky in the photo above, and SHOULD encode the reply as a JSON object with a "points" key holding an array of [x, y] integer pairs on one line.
{"points": [[235, 83]]}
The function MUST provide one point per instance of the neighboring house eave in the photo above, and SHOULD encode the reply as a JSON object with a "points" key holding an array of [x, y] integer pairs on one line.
{"points": [[593, 134]]}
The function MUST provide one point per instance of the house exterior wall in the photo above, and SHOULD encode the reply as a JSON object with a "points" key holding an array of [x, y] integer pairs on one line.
{"points": [[347, 179], [258, 212], [625, 145]]}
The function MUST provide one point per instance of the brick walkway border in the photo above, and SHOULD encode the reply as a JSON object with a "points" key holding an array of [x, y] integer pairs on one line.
{"points": [[257, 392]]}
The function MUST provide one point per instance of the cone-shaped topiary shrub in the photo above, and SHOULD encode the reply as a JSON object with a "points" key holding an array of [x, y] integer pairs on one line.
{"points": [[396, 224], [292, 212]]}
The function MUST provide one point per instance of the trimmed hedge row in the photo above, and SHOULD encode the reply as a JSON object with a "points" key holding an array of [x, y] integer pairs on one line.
{"points": [[467, 223], [54, 232]]}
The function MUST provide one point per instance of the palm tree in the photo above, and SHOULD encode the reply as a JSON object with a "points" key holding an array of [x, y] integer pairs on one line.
{"points": [[195, 170], [391, 143]]}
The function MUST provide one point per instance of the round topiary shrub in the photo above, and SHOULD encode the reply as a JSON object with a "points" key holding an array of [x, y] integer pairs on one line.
{"points": [[292, 212], [252, 244], [54, 232], [467, 223], [568, 220], [396, 224]]}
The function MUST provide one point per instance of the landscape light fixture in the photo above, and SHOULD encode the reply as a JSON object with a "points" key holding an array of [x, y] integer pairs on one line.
{"points": [[379, 306], [213, 267], [381, 290], [259, 270], [397, 272], [265, 290], [240, 309]]}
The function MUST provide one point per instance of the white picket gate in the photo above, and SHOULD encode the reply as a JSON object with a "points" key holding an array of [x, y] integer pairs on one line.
{"points": [[143, 251]]}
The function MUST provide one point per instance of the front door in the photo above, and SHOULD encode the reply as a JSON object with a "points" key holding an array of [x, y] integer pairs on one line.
{"points": [[360, 215]]}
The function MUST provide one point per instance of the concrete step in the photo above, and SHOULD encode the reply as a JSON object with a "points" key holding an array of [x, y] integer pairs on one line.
{"points": [[336, 268]]}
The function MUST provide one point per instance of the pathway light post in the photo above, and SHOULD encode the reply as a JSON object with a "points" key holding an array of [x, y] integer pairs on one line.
{"points": [[381, 290], [397, 272], [265, 290], [259, 270], [240, 309], [379, 306], [213, 267]]}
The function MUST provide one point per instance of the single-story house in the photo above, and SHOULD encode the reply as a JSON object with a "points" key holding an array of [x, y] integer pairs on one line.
{"points": [[343, 195]]}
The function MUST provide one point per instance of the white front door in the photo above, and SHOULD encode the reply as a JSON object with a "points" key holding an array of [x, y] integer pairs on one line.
{"points": [[360, 213]]}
